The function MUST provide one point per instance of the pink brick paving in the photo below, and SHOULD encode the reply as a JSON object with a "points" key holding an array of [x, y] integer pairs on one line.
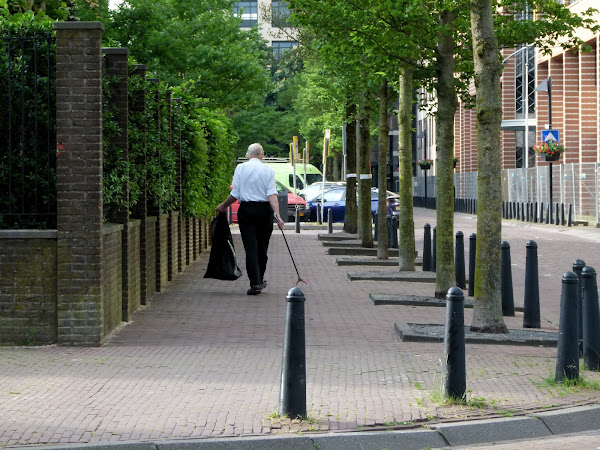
{"points": [[204, 359]]}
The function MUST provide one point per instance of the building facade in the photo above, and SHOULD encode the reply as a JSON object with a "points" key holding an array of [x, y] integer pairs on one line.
{"points": [[270, 16], [559, 91]]}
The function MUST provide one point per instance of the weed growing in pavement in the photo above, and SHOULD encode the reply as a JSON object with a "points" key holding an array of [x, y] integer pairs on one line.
{"points": [[508, 412], [477, 402], [418, 386], [567, 386], [274, 415], [396, 424]]}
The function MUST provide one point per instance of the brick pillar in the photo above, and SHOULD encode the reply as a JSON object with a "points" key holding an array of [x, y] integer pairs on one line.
{"points": [[176, 127], [140, 209], [79, 182], [117, 66], [172, 225]]}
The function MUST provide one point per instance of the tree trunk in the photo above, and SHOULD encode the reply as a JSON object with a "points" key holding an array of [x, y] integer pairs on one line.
{"points": [[350, 216], [406, 225], [365, 218], [335, 167], [447, 103], [487, 306], [382, 238]]}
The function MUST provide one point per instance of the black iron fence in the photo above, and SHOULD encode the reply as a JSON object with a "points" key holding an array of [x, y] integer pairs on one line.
{"points": [[27, 131]]}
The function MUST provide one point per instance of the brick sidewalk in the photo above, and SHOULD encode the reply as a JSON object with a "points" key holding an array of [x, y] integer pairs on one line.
{"points": [[204, 359]]}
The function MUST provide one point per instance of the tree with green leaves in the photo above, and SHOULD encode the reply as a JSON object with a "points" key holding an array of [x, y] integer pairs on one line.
{"points": [[200, 42], [513, 28]]}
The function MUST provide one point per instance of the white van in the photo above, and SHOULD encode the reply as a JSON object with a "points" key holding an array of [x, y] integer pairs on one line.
{"points": [[284, 173]]}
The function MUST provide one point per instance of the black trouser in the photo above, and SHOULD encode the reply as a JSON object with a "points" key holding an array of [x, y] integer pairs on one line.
{"points": [[256, 226]]}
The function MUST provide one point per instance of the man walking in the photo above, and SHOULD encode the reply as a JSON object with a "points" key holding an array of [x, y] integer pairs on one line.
{"points": [[254, 187]]}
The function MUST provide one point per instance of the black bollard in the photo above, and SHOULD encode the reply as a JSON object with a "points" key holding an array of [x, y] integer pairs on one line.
{"points": [[591, 319], [434, 251], [531, 300], [578, 266], [392, 232], [548, 214], [329, 221], [459, 260], [292, 398], [376, 228], [319, 214], [567, 361], [510, 210], [557, 220], [535, 213], [541, 212], [472, 254], [522, 212], [503, 210], [562, 214], [454, 365], [297, 222], [528, 211], [427, 248], [518, 208], [230, 215], [506, 287], [570, 218]]}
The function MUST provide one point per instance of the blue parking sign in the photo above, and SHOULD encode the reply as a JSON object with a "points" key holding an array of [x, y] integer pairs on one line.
{"points": [[550, 136]]}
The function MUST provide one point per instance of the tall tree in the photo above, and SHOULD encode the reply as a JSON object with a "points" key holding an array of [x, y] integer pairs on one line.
{"points": [[201, 42], [382, 156], [446, 109], [406, 225], [363, 157], [487, 314]]}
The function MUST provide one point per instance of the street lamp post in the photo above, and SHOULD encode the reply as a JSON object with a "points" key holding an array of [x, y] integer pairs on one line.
{"points": [[546, 86]]}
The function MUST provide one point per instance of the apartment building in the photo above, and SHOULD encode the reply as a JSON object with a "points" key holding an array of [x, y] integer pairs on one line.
{"points": [[270, 16]]}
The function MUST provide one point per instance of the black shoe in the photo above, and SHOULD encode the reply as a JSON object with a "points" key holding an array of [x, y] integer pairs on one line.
{"points": [[263, 285], [254, 290]]}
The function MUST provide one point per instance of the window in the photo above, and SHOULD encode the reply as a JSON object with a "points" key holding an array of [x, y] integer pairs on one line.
{"points": [[299, 183], [520, 138], [525, 73], [279, 14], [280, 47], [248, 11]]}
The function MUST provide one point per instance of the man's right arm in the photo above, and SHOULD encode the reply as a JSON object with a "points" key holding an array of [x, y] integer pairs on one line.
{"points": [[228, 202]]}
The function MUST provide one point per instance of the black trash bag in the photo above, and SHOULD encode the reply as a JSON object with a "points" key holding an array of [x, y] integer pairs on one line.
{"points": [[222, 263]]}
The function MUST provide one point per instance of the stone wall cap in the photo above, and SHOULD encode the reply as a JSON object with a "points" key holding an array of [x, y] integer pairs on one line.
{"points": [[115, 51], [27, 234], [79, 26], [110, 228]]}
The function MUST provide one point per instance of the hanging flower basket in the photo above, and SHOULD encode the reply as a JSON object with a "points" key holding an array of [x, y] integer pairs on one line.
{"points": [[425, 164], [553, 157], [551, 151]]}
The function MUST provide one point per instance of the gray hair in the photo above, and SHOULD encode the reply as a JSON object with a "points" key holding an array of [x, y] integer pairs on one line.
{"points": [[255, 151]]}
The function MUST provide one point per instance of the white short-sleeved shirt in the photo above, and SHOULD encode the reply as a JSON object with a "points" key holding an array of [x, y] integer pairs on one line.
{"points": [[253, 181]]}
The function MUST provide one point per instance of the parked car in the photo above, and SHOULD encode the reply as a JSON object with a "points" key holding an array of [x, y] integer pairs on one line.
{"points": [[335, 199], [311, 192], [296, 204]]}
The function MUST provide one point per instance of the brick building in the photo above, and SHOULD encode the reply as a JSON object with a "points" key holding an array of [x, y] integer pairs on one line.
{"points": [[574, 91], [575, 107]]}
